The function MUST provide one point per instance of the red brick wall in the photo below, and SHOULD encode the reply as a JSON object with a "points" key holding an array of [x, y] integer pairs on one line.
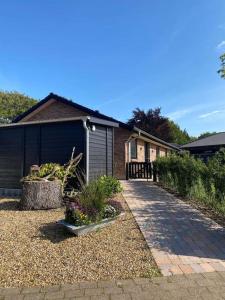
{"points": [[121, 135], [55, 110]]}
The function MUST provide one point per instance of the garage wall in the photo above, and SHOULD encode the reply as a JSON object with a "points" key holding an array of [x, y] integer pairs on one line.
{"points": [[21, 147], [100, 152]]}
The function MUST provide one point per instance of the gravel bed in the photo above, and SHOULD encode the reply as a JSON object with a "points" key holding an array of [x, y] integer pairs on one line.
{"points": [[35, 251]]}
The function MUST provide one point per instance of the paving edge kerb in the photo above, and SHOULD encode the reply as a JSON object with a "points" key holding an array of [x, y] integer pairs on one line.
{"points": [[187, 286]]}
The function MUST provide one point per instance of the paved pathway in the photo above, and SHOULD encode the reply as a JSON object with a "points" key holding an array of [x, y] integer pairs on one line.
{"points": [[182, 240], [186, 287]]}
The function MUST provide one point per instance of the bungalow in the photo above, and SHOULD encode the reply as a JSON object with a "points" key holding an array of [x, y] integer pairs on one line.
{"points": [[206, 147], [50, 129]]}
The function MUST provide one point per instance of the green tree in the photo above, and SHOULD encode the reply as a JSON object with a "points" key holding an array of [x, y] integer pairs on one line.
{"points": [[206, 134], [154, 123], [179, 136], [222, 70], [12, 104]]}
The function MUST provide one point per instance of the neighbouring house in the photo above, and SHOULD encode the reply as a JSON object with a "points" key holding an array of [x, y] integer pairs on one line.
{"points": [[50, 129], [206, 147]]}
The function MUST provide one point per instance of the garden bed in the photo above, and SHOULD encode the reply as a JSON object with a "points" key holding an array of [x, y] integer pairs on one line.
{"points": [[85, 229], [35, 251]]}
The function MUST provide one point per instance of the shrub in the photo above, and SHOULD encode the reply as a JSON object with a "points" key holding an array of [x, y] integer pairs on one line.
{"points": [[109, 212], [75, 215], [93, 204], [51, 168], [193, 178], [110, 185]]}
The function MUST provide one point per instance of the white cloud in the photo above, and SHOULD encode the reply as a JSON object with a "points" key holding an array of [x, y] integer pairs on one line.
{"points": [[221, 45], [209, 114], [178, 114]]}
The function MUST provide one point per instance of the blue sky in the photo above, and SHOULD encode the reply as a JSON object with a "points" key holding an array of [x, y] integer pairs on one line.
{"points": [[117, 55]]}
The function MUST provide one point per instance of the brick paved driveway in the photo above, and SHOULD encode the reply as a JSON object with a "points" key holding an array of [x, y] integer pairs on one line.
{"points": [[182, 240], [185, 287]]}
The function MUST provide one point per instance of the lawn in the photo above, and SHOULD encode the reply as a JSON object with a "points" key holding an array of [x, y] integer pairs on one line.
{"points": [[35, 251]]}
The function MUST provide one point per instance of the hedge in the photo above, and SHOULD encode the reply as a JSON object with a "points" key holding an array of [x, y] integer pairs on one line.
{"points": [[193, 178]]}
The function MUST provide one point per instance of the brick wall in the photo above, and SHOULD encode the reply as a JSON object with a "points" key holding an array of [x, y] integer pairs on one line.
{"points": [[54, 110], [140, 151], [121, 135]]}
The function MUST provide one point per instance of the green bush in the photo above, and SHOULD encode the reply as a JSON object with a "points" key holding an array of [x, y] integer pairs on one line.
{"points": [[92, 203], [50, 168], [192, 178], [93, 198], [110, 185]]}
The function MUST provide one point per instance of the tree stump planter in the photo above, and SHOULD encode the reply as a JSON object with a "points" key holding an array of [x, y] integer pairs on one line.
{"points": [[41, 195]]}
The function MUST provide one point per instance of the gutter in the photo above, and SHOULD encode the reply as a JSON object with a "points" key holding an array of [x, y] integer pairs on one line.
{"points": [[87, 147], [153, 138]]}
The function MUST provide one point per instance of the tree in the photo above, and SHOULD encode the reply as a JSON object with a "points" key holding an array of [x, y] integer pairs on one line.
{"points": [[179, 136], [206, 134], [154, 123], [222, 70], [12, 104]]}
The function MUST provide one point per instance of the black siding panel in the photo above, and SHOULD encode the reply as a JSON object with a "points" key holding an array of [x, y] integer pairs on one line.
{"points": [[21, 147], [32, 147], [100, 152], [11, 157], [110, 152], [58, 140]]}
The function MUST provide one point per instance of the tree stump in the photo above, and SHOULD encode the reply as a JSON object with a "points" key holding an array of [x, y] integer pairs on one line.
{"points": [[41, 195]]}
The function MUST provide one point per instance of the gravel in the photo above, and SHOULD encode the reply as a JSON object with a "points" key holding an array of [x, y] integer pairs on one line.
{"points": [[35, 251]]}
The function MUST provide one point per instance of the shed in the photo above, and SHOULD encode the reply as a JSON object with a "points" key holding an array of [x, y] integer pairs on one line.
{"points": [[37, 142]]}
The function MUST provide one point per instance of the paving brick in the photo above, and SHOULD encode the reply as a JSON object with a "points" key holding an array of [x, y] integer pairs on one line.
{"points": [[100, 297], [54, 295], [12, 297], [132, 289], [106, 283], [36, 296], [52, 288], [11, 291], [186, 269], [74, 293], [30, 290], [112, 291], [93, 292], [186, 240], [70, 287], [141, 281], [121, 297], [88, 285]]}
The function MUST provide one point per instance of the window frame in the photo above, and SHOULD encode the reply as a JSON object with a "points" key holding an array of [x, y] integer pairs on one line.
{"points": [[131, 142]]}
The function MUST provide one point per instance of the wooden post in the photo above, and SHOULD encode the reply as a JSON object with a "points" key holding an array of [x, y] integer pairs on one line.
{"points": [[154, 173]]}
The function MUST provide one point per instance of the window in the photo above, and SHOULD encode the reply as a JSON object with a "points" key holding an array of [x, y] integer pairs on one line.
{"points": [[133, 149], [157, 151]]}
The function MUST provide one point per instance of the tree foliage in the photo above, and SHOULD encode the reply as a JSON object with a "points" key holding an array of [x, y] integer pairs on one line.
{"points": [[12, 104], [222, 69], [154, 123]]}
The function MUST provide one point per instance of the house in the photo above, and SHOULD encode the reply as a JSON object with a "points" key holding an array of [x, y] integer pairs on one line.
{"points": [[49, 130], [206, 147]]}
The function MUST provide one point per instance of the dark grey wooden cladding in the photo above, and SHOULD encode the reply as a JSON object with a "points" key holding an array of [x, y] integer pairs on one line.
{"points": [[11, 157], [100, 152], [20, 147], [31, 147], [58, 140]]}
